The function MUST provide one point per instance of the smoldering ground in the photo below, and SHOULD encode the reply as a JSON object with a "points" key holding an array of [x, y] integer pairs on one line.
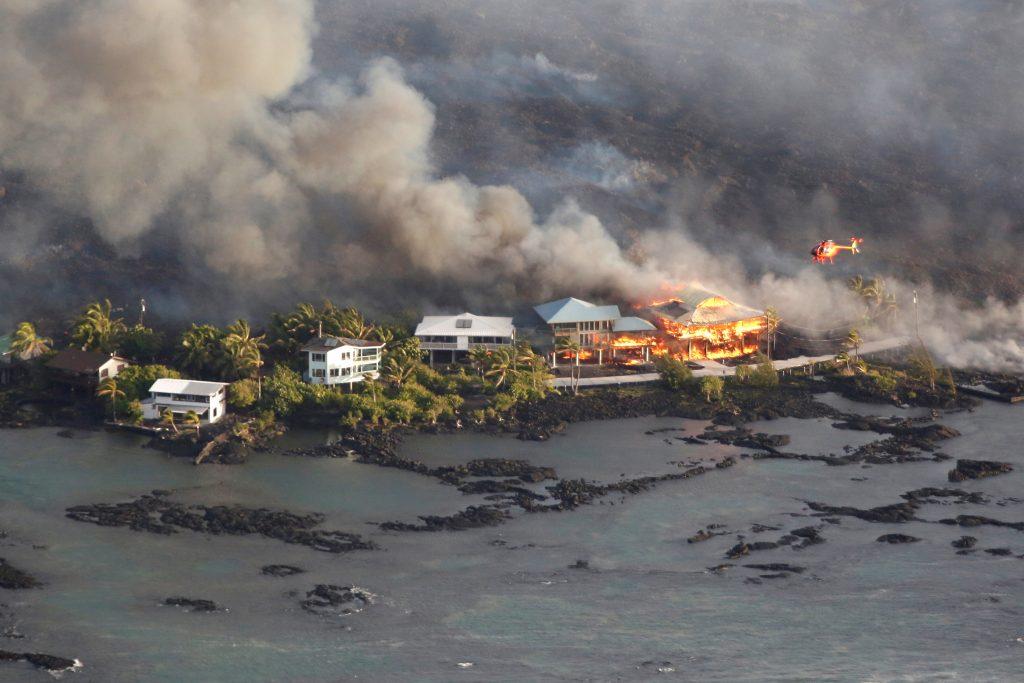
{"points": [[419, 155]]}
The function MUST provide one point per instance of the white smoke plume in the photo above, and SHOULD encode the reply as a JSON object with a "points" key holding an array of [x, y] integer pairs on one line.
{"points": [[203, 128]]}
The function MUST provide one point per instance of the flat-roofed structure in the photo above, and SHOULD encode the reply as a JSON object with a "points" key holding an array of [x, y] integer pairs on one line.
{"points": [[452, 336], [207, 399]]}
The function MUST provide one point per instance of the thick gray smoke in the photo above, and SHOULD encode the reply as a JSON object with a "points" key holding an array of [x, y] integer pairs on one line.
{"points": [[212, 140]]}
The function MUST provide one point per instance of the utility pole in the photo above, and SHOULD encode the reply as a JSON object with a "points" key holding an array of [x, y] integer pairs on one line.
{"points": [[917, 319], [142, 312]]}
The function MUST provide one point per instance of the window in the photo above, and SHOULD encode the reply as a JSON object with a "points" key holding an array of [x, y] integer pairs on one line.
{"points": [[317, 357], [104, 372], [463, 323], [318, 372], [215, 412], [334, 372]]}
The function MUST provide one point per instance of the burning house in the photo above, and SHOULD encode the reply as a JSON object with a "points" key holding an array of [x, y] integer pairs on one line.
{"points": [[698, 324], [692, 324]]}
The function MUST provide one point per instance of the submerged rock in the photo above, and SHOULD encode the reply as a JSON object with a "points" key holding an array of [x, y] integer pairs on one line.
{"points": [[964, 542], [341, 600], [13, 578], [977, 469], [192, 604], [897, 538], [777, 567], [281, 570], [41, 661]]}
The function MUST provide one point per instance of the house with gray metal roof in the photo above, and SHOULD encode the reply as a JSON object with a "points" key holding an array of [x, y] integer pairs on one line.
{"points": [[208, 400], [452, 336]]}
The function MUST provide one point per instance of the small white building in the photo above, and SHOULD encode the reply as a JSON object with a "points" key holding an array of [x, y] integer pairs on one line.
{"points": [[457, 334], [340, 360], [207, 399]]}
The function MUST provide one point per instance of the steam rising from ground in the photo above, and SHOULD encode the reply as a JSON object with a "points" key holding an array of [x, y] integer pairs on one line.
{"points": [[203, 128]]}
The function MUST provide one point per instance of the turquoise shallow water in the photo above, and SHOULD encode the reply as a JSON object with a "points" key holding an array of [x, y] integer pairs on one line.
{"points": [[503, 598]]}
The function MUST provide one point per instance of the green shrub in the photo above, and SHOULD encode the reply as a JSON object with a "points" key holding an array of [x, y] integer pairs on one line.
{"points": [[135, 380], [673, 372], [764, 375], [283, 391], [242, 394], [712, 387]]}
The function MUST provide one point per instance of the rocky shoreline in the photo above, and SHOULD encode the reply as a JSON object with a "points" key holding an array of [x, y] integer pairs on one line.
{"points": [[155, 513]]}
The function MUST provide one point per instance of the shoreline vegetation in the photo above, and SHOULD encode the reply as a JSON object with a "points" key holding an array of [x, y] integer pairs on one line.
{"points": [[507, 390]]}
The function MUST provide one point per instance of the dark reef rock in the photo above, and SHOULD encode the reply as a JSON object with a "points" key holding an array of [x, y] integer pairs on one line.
{"points": [[40, 661], [999, 552], [977, 469], [580, 564], [491, 486], [897, 538], [13, 578], [473, 517], [739, 550], [498, 467], [933, 495], [155, 514], [978, 520], [280, 570], [338, 600], [777, 567], [192, 604], [965, 542], [807, 536], [887, 514]]}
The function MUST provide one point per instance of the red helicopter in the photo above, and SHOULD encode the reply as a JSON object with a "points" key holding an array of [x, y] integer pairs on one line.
{"points": [[826, 251]]}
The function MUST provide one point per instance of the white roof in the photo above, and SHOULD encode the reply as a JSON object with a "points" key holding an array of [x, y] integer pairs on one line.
{"points": [[464, 324], [192, 387], [575, 311]]}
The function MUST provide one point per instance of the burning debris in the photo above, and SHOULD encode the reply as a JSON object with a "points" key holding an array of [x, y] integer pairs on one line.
{"points": [[826, 251], [698, 324]]}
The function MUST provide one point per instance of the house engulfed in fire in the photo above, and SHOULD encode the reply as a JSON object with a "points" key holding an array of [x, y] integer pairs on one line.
{"points": [[691, 324], [698, 324]]}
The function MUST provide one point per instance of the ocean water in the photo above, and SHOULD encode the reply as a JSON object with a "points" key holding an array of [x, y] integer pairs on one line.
{"points": [[501, 604]]}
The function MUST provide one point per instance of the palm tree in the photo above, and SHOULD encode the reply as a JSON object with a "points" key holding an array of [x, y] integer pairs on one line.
{"points": [[192, 418], [353, 325], [96, 328], [297, 327], [479, 358], [242, 353], [771, 321], [853, 342], [924, 365], [399, 368], [573, 348], [168, 419], [503, 362], [856, 285], [108, 387], [199, 349], [385, 335], [27, 344]]}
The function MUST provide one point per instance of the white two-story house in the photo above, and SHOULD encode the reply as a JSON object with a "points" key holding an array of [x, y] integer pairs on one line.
{"points": [[457, 334], [207, 399], [340, 360]]}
